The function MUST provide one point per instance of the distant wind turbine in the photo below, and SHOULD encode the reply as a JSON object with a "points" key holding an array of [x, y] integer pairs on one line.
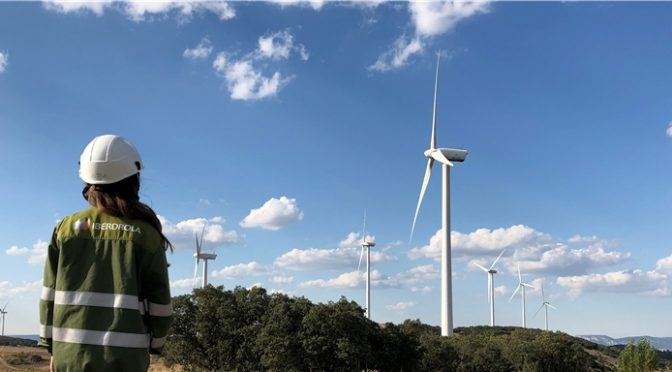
{"points": [[491, 287], [545, 305], [3, 312], [366, 245], [521, 286], [445, 156], [198, 256]]}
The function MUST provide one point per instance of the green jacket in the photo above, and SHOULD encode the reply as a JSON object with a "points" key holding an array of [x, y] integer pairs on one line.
{"points": [[105, 300]]}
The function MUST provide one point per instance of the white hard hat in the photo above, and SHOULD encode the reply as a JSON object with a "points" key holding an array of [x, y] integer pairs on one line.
{"points": [[108, 159]]}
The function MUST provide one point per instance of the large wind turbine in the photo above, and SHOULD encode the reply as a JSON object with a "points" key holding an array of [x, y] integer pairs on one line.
{"points": [[366, 245], [521, 287], [199, 255], [445, 156], [3, 312], [545, 305], [491, 287]]}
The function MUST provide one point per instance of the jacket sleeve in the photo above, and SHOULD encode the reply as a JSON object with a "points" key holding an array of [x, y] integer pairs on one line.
{"points": [[156, 286], [48, 293]]}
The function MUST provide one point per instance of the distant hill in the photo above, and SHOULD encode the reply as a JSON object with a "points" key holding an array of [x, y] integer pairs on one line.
{"points": [[27, 337], [15, 341], [660, 343]]}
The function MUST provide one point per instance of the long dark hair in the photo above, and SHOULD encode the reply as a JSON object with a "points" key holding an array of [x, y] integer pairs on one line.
{"points": [[121, 199]]}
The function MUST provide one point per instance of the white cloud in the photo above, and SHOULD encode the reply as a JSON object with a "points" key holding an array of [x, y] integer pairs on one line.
{"points": [[281, 279], [562, 260], [244, 82], [201, 51], [424, 290], [245, 78], [432, 18], [626, 281], [16, 251], [351, 279], [182, 234], [664, 265], [501, 290], [669, 130], [315, 4], [279, 45], [402, 49], [36, 255], [418, 274], [354, 279], [582, 239], [185, 283], [7, 290], [274, 214], [482, 241], [141, 10], [401, 307], [343, 257], [242, 270], [66, 6], [429, 19], [4, 61], [533, 250]]}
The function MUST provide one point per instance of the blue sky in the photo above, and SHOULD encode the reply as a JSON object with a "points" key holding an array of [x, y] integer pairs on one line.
{"points": [[280, 124]]}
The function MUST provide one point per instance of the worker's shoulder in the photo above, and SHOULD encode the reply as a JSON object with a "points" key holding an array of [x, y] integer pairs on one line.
{"points": [[92, 223]]}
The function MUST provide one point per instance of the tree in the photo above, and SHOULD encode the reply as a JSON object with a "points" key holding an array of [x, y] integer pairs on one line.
{"points": [[638, 358], [336, 337], [277, 343]]}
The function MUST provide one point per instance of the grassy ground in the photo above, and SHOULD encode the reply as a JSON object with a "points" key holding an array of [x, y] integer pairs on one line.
{"points": [[26, 358]]}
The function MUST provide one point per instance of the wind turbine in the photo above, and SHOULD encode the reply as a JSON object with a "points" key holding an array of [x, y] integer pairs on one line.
{"points": [[521, 286], [366, 245], [199, 255], [491, 287], [445, 156], [3, 312], [545, 305]]}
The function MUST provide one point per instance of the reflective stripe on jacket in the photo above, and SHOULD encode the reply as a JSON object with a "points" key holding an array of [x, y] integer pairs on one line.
{"points": [[105, 299]]}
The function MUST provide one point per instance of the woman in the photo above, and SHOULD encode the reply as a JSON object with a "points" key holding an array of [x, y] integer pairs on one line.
{"points": [[105, 302]]}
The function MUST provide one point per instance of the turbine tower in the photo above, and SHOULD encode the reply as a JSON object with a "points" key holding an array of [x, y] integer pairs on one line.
{"points": [[521, 287], [199, 255], [545, 305], [366, 245], [445, 156], [3, 312], [491, 287]]}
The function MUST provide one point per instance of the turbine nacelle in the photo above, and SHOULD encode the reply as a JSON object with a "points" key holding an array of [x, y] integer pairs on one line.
{"points": [[205, 256], [443, 154]]}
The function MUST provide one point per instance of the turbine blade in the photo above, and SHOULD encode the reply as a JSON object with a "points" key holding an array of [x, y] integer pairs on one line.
{"points": [[361, 254], [364, 231], [520, 277], [432, 144], [551, 306], [514, 293], [193, 283], [425, 182], [497, 259], [438, 156], [543, 297], [481, 267], [3, 309], [527, 285], [200, 245], [537, 312]]}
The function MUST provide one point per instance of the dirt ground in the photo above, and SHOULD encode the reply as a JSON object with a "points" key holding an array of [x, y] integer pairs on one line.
{"points": [[23, 358]]}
